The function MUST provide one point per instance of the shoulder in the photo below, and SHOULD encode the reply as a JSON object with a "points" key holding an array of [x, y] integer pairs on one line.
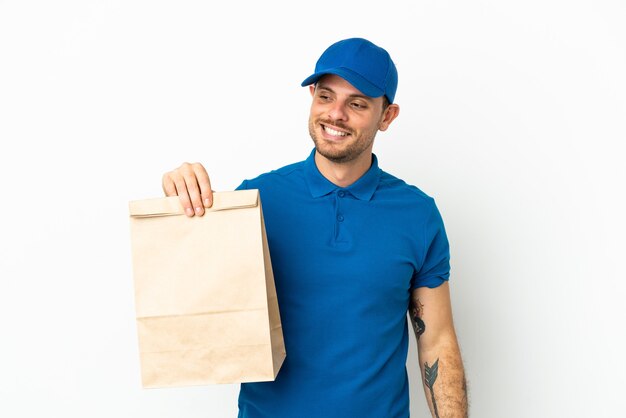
{"points": [[287, 172], [411, 205], [392, 187]]}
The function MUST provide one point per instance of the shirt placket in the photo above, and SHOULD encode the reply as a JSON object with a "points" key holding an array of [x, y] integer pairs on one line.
{"points": [[341, 236]]}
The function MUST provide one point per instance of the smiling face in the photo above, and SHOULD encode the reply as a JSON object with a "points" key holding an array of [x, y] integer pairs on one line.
{"points": [[343, 121]]}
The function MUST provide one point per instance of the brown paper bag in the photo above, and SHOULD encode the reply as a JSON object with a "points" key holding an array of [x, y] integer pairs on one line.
{"points": [[204, 292]]}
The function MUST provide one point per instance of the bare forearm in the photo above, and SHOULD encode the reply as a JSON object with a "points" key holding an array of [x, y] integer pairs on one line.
{"points": [[444, 382], [440, 359]]}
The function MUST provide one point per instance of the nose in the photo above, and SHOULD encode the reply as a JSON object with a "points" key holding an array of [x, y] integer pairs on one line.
{"points": [[337, 111]]}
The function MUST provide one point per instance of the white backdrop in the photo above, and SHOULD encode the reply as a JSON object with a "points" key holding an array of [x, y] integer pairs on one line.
{"points": [[512, 117]]}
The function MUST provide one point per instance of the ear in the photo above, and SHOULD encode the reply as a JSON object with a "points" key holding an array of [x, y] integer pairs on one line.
{"points": [[312, 89], [392, 112]]}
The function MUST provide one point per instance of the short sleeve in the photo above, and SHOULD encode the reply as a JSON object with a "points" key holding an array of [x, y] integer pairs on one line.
{"points": [[435, 269]]}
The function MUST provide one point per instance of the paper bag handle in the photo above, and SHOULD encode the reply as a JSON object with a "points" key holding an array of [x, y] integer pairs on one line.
{"points": [[171, 206]]}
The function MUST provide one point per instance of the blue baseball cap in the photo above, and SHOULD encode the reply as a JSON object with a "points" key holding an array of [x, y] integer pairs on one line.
{"points": [[366, 66]]}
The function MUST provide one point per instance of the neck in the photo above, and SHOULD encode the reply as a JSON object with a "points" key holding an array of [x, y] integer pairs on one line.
{"points": [[343, 174]]}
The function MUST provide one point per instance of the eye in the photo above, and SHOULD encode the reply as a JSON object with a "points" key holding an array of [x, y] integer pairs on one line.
{"points": [[358, 105]]}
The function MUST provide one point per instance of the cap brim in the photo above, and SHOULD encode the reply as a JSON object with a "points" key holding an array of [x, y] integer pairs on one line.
{"points": [[351, 77]]}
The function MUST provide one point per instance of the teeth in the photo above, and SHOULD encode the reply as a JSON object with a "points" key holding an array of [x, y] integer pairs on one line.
{"points": [[334, 132]]}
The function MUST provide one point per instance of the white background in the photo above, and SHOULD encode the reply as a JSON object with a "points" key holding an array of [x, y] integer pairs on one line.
{"points": [[512, 117]]}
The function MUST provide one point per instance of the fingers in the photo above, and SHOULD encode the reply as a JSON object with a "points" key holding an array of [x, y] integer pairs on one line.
{"points": [[206, 194], [191, 183]]}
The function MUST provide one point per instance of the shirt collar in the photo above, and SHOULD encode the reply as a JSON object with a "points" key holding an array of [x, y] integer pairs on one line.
{"points": [[362, 189]]}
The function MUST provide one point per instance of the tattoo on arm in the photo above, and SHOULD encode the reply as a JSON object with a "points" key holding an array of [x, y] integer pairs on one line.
{"points": [[430, 375], [417, 309]]}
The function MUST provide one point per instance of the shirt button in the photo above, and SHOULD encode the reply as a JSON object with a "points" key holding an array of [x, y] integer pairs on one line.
{"points": [[341, 193], [340, 218]]}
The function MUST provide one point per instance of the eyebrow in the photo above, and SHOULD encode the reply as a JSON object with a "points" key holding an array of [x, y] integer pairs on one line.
{"points": [[355, 95]]}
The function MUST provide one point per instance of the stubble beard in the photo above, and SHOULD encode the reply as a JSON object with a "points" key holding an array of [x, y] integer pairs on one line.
{"points": [[344, 152]]}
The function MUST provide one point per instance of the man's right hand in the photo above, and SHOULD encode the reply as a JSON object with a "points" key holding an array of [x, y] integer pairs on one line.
{"points": [[190, 182]]}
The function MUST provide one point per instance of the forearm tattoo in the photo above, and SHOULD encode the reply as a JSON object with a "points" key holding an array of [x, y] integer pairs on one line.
{"points": [[417, 309], [430, 375]]}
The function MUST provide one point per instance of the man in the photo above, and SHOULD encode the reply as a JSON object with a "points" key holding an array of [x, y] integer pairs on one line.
{"points": [[353, 248]]}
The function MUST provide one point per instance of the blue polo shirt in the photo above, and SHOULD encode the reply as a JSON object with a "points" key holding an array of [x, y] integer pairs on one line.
{"points": [[345, 260]]}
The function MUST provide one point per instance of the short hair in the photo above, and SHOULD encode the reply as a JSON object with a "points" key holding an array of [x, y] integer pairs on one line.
{"points": [[385, 103]]}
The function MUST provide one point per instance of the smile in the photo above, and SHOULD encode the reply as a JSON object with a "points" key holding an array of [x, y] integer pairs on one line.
{"points": [[333, 132]]}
